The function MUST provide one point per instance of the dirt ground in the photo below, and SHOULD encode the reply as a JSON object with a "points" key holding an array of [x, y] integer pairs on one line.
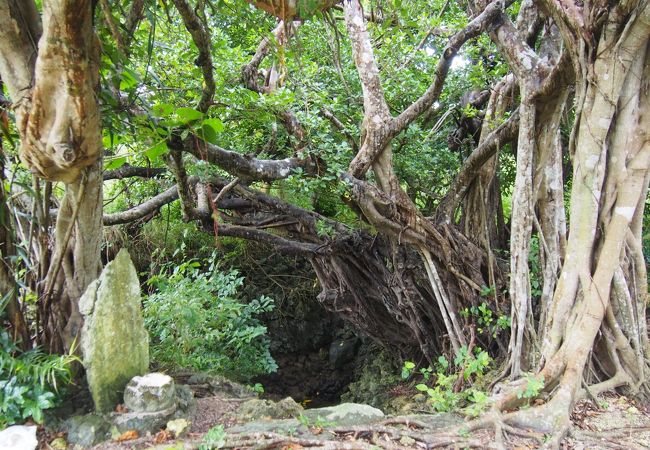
{"points": [[614, 422]]}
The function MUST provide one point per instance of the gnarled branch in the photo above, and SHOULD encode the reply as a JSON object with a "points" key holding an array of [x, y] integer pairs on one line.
{"points": [[201, 39], [246, 167], [127, 171]]}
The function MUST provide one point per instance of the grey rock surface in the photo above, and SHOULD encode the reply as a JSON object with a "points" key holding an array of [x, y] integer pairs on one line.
{"points": [[143, 422], [150, 393], [345, 414], [88, 430], [114, 343], [266, 409]]}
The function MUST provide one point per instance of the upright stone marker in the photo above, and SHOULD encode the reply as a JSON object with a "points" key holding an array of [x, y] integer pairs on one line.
{"points": [[114, 342]]}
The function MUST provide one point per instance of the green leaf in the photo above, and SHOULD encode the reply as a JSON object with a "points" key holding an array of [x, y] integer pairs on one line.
{"points": [[409, 365], [128, 80], [115, 163], [422, 387], [214, 123], [162, 109], [154, 152], [209, 130], [187, 115]]}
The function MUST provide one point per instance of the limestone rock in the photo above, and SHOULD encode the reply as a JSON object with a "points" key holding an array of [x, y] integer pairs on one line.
{"points": [[266, 409], [88, 430], [18, 437], [59, 444], [143, 422], [438, 420], [185, 401], [345, 413], [115, 344], [219, 385], [149, 393], [178, 427]]}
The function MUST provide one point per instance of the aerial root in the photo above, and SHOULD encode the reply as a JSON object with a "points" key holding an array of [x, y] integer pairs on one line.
{"points": [[264, 441], [606, 438]]}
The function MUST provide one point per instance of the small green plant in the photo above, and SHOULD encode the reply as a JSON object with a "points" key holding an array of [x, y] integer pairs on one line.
{"points": [[534, 385], [442, 393], [215, 438], [407, 369], [196, 322], [257, 388], [486, 319], [30, 381], [323, 229], [319, 422]]}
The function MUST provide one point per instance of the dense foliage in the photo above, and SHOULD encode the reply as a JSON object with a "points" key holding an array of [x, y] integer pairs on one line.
{"points": [[30, 381], [196, 321]]}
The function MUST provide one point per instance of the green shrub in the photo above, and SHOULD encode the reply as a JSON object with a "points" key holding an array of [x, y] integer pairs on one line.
{"points": [[442, 395], [196, 322], [30, 381]]}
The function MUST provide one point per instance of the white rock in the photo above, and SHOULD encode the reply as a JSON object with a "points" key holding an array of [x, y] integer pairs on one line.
{"points": [[18, 437], [150, 393]]}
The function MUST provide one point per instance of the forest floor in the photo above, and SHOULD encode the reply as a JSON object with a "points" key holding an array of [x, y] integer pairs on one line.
{"points": [[615, 422]]}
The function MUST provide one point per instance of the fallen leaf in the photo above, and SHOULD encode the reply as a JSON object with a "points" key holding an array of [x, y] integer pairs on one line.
{"points": [[127, 436], [121, 408], [162, 436]]}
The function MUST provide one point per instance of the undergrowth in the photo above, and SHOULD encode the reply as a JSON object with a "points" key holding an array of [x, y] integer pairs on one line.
{"points": [[30, 381], [197, 322], [443, 383]]}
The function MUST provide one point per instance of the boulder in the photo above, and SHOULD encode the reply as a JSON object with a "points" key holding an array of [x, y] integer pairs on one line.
{"points": [[153, 401], [143, 422], [344, 414], [219, 385], [150, 393], [88, 430], [115, 343], [18, 437], [266, 409], [185, 401]]}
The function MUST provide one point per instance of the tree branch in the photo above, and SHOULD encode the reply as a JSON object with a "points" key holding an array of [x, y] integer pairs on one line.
{"points": [[527, 66], [329, 115], [201, 39], [127, 171], [473, 29], [250, 73], [245, 167], [132, 21], [112, 26], [20, 30], [374, 102], [500, 136], [142, 210]]}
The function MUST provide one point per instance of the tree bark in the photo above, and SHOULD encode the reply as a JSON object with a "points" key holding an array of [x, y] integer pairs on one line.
{"points": [[52, 83]]}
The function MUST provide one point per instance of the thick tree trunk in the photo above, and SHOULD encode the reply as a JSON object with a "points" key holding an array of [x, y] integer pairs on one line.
{"points": [[598, 307], [75, 260], [52, 83]]}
